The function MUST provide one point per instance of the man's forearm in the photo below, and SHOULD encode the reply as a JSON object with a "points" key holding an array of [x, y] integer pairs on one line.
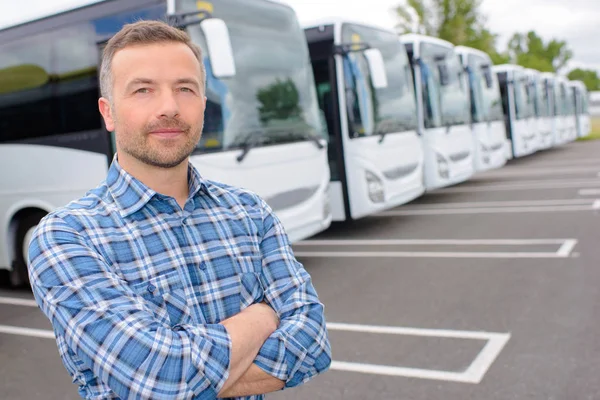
{"points": [[248, 331], [254, 381]]}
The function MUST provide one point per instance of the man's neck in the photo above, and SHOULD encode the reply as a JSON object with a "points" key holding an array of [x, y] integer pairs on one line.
{"points": [[171, 182]]}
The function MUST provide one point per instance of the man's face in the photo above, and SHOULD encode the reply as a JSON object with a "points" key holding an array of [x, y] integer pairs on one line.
{"points": [[158, 103]]}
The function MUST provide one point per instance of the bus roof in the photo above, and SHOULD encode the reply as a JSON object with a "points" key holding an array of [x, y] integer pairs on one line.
{"points": [[548, 75], [577, 84], [74, 15], [508, 68], [418, 39], [337, 21], [471, 51]]}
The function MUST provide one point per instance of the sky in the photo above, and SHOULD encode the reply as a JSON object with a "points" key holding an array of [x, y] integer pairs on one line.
{"points": [[575, 21]]}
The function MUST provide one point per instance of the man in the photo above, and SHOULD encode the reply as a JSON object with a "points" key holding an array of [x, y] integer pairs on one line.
{"points": [[161, 284]]}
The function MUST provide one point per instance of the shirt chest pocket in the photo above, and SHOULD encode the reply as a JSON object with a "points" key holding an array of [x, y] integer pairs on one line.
{"points": [[165, 296], [226, 297]]}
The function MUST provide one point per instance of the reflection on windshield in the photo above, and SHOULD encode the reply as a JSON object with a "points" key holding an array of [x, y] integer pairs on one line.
{"points": [[521, 103], [272, 97], [377, 111], [444, 104], [487, 102]]}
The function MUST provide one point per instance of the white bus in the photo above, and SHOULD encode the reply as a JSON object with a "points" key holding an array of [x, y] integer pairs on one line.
{"points": [[557, 120], [262, 123], [567, 110], [579, 94], [364, 88], [443, 108], [489, 132], [542, 121], [518, 113]]}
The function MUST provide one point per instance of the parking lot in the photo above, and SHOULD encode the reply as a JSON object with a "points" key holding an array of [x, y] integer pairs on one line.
{"points": [[485, 290]]}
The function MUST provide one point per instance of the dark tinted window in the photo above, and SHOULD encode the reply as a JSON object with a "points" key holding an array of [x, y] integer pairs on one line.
{"points": [[48, 84]]}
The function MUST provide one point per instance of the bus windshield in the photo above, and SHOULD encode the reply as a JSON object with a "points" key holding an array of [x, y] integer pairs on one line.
{"points": [[374, 111], [444, 104], [567, 108], [271, 99], [541, 97], [522, 104], [487, 102]]}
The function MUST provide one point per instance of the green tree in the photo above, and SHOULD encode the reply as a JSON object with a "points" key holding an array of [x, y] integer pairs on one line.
{"points": [[530, 51], [588, 77], [457, 21], [279, 100]]}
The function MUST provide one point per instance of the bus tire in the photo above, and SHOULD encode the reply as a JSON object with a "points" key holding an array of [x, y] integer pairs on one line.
{"points": [[19, 276]]}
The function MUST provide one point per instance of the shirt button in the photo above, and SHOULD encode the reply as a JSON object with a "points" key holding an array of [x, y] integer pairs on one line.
{"points": [[202, 266], [151, 288]]}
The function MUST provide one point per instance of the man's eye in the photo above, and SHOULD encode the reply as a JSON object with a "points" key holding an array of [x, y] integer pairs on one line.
{"points": [[142, 90]]}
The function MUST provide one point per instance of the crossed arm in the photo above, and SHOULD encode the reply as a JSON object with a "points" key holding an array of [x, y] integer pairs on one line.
{"points": [[111, 330]]}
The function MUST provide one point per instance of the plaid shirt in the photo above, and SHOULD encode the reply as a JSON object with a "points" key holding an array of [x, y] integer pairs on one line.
{"points": [[135, 288]]}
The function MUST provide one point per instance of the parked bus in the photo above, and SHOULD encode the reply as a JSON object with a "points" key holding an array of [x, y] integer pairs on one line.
{"points": [[442, 94], [567, 110], [262, 122], [489, 132], [363, 84], [579, 94], [518, 113], [557, 121], [542, 120]]}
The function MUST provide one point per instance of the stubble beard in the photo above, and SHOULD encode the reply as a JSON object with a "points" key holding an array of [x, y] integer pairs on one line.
{"points": [[171, 154]]}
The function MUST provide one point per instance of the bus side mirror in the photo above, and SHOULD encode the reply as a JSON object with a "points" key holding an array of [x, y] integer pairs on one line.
{"points": [[376, 68], [444, 76], [487, 74], [220, 51]]}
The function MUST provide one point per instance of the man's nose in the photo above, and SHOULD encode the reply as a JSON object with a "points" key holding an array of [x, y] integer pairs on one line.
{"points": [[168, 107]]}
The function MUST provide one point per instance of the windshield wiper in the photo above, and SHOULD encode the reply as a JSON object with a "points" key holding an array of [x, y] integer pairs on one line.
{"points": [[315, 139], [251, 140]]}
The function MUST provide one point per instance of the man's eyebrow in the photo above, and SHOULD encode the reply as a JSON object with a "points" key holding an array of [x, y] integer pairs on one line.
{"points": [[140, 81], [189, 81]]}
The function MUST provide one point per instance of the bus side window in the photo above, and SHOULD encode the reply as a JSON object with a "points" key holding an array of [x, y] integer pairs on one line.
{"points": [[26, 86]]}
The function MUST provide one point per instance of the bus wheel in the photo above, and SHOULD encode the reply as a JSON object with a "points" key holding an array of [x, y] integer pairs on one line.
{"points": [[19, 276]]}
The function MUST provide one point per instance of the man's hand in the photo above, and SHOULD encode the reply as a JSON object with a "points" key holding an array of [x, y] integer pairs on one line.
{"points": [[248, 331]]}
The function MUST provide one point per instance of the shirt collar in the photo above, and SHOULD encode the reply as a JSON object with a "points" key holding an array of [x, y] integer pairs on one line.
{"points": [[131, 195]]}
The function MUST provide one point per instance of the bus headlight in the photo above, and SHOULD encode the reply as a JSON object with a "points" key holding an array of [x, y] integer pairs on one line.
{"points": [[485, 154], [443, 167], [375, 188]]}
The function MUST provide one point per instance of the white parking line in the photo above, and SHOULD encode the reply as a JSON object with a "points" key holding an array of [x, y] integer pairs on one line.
{"points": [[540, 171], [559, 162], [566, 248], [589, 192], [16, 330], [524, 185], [427, 254], [416, 242], [474, 374], [486, 210], [564, 251], [505, 203], [18, 301]]}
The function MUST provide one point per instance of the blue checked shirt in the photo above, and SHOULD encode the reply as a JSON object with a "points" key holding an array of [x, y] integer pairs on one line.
{"points": [[135, 288]]}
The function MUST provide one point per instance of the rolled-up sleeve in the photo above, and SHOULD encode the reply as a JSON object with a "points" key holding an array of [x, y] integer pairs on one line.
{"points": [[110, 328], [299, 349]]}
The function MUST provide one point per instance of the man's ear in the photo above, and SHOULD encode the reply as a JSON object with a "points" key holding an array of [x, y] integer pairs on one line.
{"points": [[106, 111]]}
